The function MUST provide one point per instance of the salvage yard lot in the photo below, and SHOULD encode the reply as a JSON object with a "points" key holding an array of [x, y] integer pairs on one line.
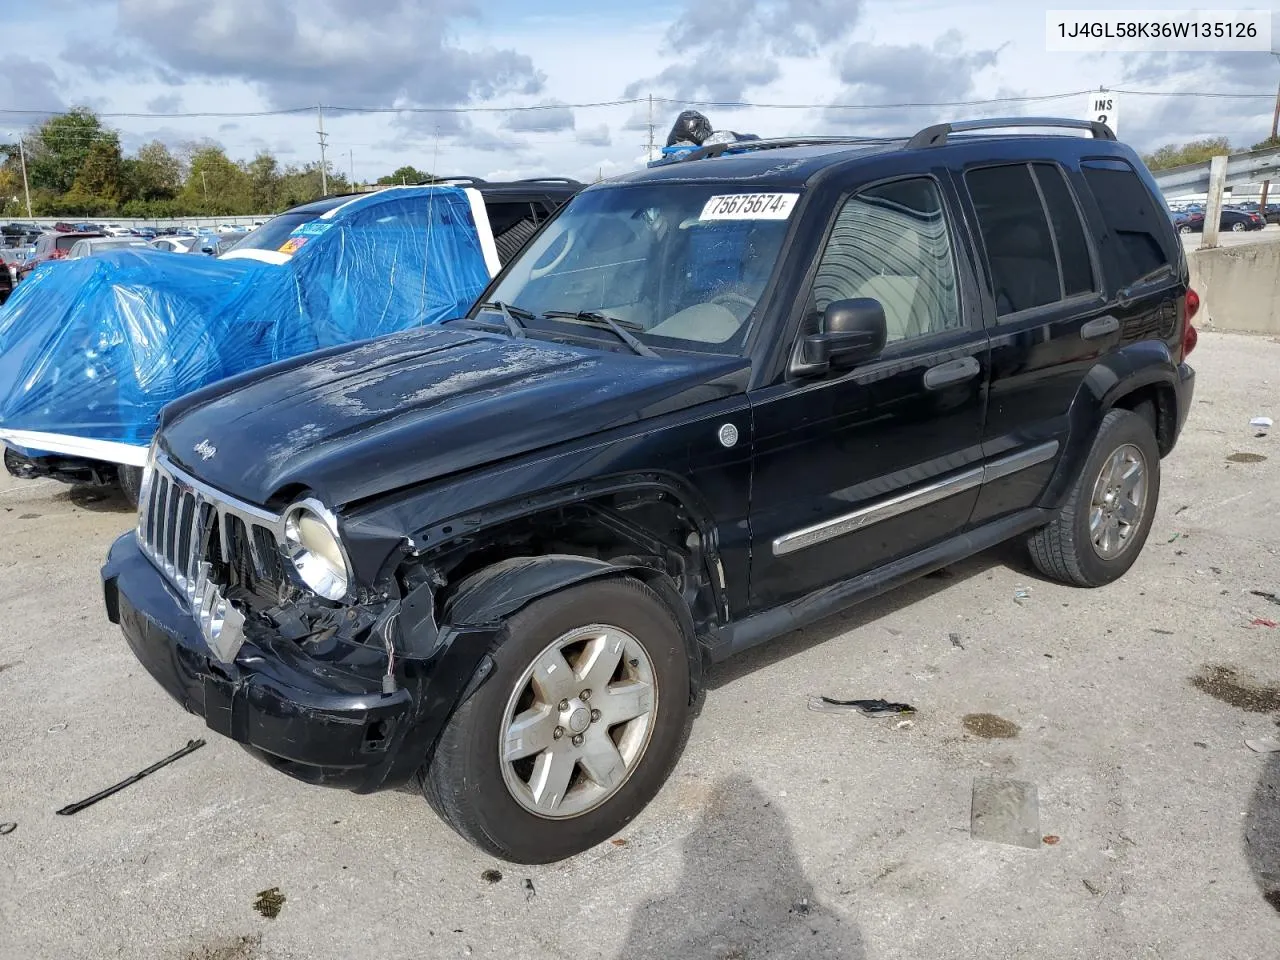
{"points": [[782, 833]]}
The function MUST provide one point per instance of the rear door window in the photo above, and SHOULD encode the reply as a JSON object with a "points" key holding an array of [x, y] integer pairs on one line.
{"points": [[1144, 240], [1033, 235]]}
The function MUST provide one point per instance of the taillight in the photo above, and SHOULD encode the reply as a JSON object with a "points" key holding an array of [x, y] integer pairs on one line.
{"points": [[1190, 336]]}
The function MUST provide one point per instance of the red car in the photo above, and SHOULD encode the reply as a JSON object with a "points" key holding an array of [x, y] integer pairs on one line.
{"points": [[52, 246]]}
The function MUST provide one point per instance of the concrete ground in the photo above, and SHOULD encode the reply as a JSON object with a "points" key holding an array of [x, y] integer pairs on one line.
{"points": [[783, 832]]}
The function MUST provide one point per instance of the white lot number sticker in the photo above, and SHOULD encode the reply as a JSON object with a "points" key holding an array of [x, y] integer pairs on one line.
{"points": [[750, 206]]}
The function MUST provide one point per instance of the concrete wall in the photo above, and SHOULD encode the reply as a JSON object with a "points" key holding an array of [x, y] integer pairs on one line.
{"points": [[1239, 286]]}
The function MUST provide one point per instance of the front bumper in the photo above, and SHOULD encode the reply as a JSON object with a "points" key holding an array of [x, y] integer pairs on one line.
{"points": [[304, 717]]}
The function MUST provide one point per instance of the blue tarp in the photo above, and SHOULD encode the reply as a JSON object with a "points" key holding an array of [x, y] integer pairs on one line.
{"points": [[93, 348]]}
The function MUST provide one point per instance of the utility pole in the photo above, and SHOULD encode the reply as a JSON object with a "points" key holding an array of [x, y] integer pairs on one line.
{"points": [[205, 180], [351, 166], [1266, 184], [22, 152], [324, 175], [649, 154]]}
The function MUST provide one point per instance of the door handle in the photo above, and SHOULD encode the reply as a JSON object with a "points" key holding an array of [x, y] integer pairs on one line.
{"points": [[953, 371], [1101, 327]]}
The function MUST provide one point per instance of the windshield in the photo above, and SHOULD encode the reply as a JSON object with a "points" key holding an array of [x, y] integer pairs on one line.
{"points": [[272, 234], [681, 265]]}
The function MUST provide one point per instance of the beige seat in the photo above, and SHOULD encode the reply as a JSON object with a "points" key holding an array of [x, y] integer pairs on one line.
{"points": [[897, 294]]}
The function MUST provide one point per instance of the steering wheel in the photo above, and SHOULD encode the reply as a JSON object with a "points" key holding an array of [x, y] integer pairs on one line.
{"points": [[570, 238]]}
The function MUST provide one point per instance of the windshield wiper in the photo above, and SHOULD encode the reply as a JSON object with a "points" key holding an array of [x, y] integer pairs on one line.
{"points": [[509, 315], [619, 327]]}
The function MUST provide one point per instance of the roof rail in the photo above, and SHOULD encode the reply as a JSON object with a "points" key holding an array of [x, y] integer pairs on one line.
{"points": [[461, 179], [568, 180], [717, 149], [936, 135]]}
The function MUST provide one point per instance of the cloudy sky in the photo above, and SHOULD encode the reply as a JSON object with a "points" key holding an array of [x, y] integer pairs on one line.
{"points": [[835, 66]]}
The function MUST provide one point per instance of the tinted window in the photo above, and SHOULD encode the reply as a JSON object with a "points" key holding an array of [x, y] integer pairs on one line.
{"points": [[1015, 232], [890, 243], [1140, 229], [1073, 250], [66, 243]]}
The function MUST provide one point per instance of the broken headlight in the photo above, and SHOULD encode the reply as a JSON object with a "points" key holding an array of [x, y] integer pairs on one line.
{"points": [[315, 550]]}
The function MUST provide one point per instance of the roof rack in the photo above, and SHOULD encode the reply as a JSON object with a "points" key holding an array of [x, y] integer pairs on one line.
{"points": [[460, 179], [566, 180], [717, 149], [936, 135]]}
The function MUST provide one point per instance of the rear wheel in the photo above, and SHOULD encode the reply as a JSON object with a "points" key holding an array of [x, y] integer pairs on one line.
{"points": [[575, 731], [1238, 227], [1100, 531], [130, 481]]}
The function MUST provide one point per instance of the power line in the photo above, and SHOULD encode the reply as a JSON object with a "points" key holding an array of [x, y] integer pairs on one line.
{"points": [[633, 101]]}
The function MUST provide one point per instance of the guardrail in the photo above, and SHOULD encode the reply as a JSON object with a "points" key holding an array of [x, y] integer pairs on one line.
{"points": [[1242, 168]]}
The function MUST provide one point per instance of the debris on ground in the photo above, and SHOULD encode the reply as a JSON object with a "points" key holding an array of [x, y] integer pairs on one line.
{"points": [[1264, 745], [1005, 811], [58, 727], [1266, 595], [529, 891], [1223, 683], [491, 876], [269, 902], [6, 828], [1163, 633], [1246, 458], [1262, 425], [1174, 538], [1181, 509], [1092, 888], [192, 745], [1051, 840], [1263, 622], [802, 907], [868, 708], [1021, 595], [904, 724], [618, 842], [990, 727], [955, 640]]}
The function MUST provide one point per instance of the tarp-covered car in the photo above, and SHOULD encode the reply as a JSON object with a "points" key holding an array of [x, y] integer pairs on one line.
{"points": [[90, 350]]}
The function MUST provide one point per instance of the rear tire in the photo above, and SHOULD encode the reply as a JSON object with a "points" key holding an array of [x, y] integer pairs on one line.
{"points": [[491, 799], [1101, 529], [130, 481]]}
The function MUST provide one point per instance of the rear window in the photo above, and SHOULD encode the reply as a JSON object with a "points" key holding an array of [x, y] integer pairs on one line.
{"points": [[1143, 238], [67, 242]]}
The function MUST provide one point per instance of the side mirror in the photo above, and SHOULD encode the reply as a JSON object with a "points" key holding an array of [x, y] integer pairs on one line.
{"points": [[852, 331]]}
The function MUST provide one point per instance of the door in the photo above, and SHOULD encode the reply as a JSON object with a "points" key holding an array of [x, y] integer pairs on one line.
{"points": [[855, 468], [1048, 324]]}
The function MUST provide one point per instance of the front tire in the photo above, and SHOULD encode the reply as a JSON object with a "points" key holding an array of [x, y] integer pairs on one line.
{"points": [[576, 730], [130, 482], [1101, 529]]}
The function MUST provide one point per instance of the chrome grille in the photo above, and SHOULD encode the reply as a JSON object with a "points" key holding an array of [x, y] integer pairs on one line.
{"points": [[204, 542]]}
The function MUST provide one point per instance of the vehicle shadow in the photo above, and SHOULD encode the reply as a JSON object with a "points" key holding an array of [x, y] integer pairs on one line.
{"points": [[97, 499], [742, 893], [1262, 832], [1012, 555]]}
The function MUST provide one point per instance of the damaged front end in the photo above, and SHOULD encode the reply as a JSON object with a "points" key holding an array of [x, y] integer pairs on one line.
{"points": [[256, 621]]}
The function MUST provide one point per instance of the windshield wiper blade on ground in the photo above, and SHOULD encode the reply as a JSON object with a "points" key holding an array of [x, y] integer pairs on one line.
{"points": [[595, 319], [509, 315]]}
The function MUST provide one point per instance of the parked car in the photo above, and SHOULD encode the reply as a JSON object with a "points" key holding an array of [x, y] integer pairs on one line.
{"points": [[8, 276], [180, 244], [90, 352], [98, 245], [51, 246], [710, 403], [1234, 220]]}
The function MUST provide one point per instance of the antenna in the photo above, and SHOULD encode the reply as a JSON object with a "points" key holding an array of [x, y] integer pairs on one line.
{"points": [[649, 154]]}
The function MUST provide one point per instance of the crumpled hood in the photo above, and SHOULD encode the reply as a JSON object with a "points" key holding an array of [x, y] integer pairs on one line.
{"points": [[409, 407]]}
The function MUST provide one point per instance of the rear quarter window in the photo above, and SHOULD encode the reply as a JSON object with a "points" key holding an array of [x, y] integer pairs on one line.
{"points": [[1143, 238]]}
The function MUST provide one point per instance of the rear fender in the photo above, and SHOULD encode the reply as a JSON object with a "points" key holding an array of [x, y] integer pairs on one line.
{"points": [[1115, 376]]}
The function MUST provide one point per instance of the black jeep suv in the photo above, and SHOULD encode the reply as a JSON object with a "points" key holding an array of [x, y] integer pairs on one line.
{"points": [[709, 403]]}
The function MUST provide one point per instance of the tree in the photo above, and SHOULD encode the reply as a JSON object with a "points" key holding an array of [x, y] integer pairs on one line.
{"points": [[100, 181], [264, 182], [215, 185], [1197, 151], [154, 173], [403, 175], [59, 147], [1266, 144]]}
